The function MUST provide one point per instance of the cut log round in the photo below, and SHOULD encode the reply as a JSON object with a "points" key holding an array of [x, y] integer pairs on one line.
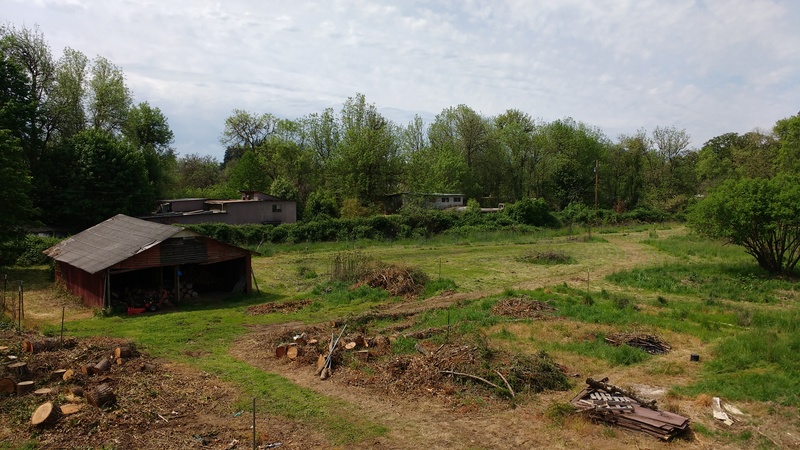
{"points": [[70, 409], [68, 375], [24, 387], [43, 391], [350, 346], [76, 391], [87, 369], [362, 355], [312, 341], [7, 386], [57, 374], [293, 352], [280, 351], [46, 414], [19, 369], [101, 396], [122, 352], [102, 366]]}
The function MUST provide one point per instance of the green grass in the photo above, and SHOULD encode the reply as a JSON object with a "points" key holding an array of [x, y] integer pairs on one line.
{"points": [[201, 336]]}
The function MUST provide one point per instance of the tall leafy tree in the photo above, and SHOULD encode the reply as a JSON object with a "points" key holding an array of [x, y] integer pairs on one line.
{"points": [[69, 93], [29, 50], [196, 173], [109, 98], [146, 128], [787, 132], [245, 131], [16, 99]]}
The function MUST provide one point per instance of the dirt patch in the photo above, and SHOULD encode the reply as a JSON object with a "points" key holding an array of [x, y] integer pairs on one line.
{"points": [[284, 307], [158, 405], [522, 308]]}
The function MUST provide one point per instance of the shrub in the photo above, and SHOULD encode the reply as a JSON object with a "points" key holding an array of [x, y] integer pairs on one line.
{"points": [[32, 250], [531, 212]]}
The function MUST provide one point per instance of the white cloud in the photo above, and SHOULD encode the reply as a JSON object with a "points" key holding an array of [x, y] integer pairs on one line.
{"points": [[708, 66]]}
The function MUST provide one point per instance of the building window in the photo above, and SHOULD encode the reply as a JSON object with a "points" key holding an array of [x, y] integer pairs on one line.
{"points": [[277, 208], [445, 199], [457, 199]]}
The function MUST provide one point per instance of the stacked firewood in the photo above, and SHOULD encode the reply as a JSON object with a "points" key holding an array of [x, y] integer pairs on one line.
{"points": [[187, 291]]}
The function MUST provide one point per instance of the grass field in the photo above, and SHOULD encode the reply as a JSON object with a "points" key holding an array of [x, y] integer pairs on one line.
{"points": [[702, 297]]}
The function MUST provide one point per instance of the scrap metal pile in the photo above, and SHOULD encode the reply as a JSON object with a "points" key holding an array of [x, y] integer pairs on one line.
{"points": [[613, 405]]}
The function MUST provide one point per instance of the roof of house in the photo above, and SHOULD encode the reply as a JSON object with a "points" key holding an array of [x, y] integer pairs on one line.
{"points": [[110, 242]]}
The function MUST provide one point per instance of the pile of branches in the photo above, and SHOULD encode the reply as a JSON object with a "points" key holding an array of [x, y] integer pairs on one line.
{"points": [[653, 345], [522, 308], [399, 281]]}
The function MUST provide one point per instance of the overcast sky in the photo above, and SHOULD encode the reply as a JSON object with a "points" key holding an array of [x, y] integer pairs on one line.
{"points": [[709, 67]]}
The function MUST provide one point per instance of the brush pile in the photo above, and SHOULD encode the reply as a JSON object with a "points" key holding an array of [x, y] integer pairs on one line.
{"points": [[399, 281], [649, 343], [282, 307], [522, 308]]}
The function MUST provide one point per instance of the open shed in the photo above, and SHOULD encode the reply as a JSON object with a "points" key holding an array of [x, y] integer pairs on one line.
{"points": [[123, 254]]}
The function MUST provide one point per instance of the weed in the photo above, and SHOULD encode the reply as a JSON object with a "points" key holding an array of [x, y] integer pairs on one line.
{"points": [[558, 411], [661, 301], [404, 345], [587, 300], [547, 257]]}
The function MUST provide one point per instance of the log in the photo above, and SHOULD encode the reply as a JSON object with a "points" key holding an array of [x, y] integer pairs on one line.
{"points": [[19, 369], [57, 374], [24, 387], [122, 352], [360, 341], [76, 391], [70, 408], [46, 414], [87, 370], [312, 341], [43, 391], [40, 346], [422, 349], [120, 361], [103, 366], [280, 351], [101, 396], [474, 377], [320, 363], [147, 367], [68, 375], [293, 352], [7, 386], [3, 348], [300, 339]]}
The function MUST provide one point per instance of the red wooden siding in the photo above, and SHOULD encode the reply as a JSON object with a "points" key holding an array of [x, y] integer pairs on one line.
{"points": [[82, 283]]}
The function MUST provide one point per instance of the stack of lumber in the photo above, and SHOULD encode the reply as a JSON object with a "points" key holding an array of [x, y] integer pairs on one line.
{"points": [[649, 343], [610, 404]]}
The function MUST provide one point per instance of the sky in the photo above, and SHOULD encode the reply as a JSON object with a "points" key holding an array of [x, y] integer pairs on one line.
{"points": [[706, 66]]}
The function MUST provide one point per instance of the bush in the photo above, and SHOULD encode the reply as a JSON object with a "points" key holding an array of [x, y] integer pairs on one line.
{"points": [[33, 246], [531, 212]]}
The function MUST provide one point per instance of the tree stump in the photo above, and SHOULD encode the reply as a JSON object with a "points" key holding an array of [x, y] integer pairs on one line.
{"points": [[7, 386], [24, 387], [45, 415], [43, 391], [87, 370], [20, 370], [122, 352], [293, 352], [362, 355], [360, 341], [280, 351], [76, 390], [102, 366], [57, 374], [101, 396]]}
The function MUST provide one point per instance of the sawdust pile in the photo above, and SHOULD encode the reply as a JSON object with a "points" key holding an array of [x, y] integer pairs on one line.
{"points": [[522, 308]]}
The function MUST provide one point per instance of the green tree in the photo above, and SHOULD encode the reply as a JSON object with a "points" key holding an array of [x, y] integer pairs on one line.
{"points": [[196, 173], [109, 99], [147, 129], [246, 174], [69, 93], [245, 131], [761, 215], [788, 134]]}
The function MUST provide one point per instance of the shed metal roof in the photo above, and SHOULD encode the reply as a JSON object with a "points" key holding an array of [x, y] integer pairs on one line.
{"points": [[110, 242]]}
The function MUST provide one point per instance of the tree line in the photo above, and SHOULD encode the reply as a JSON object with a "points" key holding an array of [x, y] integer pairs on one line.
{"points": [[76, 149]]}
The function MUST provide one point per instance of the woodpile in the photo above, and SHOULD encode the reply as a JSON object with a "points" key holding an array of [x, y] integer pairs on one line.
{"points": [[649, 343], [187, 291], [613, 405]]}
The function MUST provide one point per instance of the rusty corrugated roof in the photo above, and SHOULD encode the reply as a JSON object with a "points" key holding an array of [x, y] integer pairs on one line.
{"points": [[110, 242]]}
